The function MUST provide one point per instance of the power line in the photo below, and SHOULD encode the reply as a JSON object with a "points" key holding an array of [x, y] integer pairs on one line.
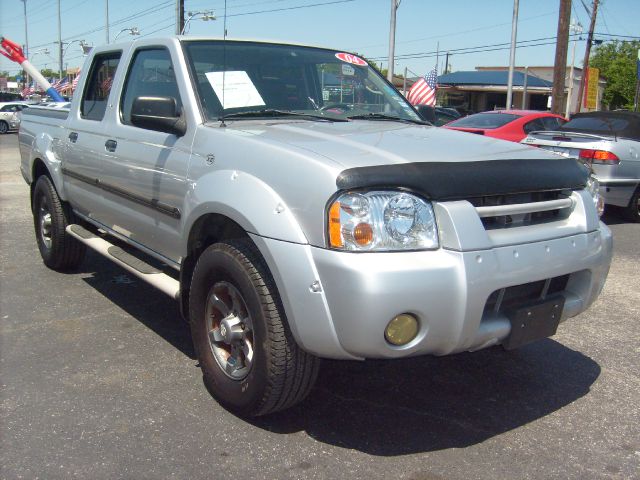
{"points": [[268, 11], [290, 8], [459, 50], [455, 34], [138, 14]]}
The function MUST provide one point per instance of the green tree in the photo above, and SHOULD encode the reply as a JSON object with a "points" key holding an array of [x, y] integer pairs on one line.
{"points": [[8, 76], [617, 64], [48, 73]]}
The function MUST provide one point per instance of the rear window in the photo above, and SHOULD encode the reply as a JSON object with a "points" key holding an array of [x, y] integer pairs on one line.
{"points": [[595, 124], [484, 120]]}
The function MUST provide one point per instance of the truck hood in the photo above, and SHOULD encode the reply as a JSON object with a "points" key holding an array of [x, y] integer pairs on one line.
{"points": [[437, 163], [366, 143]]}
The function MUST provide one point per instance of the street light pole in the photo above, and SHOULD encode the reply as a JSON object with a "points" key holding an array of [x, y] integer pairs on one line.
{"points": [[204, 16], [512, 54], [26, 41], [106, 17], [575, 28], [132, 31], [59, 41], [392, 38]]}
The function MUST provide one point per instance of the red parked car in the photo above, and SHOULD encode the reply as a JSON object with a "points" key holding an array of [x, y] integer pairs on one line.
{"points": [[513, 125]]}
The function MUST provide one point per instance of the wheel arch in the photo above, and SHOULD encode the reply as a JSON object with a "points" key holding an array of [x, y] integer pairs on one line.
{"points": [[206, 230], [38, 169]]}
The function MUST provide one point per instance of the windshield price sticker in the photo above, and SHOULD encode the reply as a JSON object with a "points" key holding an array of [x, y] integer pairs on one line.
{"points": [[236, 88], [352, 59]]}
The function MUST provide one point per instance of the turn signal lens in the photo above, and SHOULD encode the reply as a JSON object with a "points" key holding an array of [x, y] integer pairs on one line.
{"points": [[363, 234], [335, 234]]}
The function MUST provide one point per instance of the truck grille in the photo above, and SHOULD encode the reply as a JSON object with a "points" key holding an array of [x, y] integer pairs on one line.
{"points": [[503, 211]]}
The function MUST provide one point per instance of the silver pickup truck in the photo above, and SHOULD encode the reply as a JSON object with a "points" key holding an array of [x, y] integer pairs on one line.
{"points": [[297, 207]]}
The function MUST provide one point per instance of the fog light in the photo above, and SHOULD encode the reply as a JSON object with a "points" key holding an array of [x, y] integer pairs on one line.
{"points": [[401, 330]]}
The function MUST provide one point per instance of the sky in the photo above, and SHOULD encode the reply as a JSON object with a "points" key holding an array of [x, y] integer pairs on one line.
{"points": [[424, 27]]}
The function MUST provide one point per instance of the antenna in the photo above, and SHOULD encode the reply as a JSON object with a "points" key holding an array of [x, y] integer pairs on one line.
{"points": [[224, 59]]}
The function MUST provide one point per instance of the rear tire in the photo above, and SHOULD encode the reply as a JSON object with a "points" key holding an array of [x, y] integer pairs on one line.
{"points": [[250, 361], [633, 209], [58, 249]]}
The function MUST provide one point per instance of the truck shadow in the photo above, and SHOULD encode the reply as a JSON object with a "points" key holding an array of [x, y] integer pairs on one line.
{"points": [[156, 311], [394, 407], [424, 404]]}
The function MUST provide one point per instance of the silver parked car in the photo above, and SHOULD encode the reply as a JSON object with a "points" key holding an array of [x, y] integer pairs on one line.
{"points": [[9, 121], [610, 143]]}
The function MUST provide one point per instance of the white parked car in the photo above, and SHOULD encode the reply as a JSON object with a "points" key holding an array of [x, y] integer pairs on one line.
{"points": [[9, 121]]}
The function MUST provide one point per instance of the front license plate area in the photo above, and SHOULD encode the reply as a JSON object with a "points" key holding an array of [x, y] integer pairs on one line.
{"points": [[533, 322]]}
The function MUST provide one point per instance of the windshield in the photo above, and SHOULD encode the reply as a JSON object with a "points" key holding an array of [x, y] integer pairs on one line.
{"points": [[484, 120], [272, 77]]}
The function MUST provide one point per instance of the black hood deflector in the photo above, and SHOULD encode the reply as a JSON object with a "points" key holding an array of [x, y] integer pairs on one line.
{"points": [[461, 180]]}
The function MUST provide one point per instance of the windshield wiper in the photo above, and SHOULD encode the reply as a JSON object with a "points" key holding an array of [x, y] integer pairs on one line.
{"points": [[382, 116], [275, 113]]}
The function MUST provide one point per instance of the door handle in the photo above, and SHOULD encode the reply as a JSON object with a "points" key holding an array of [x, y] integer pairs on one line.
{"points": [[73, 137], [110, 145]]}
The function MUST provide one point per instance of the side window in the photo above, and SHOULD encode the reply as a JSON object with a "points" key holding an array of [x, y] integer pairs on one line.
{"points": [[96, 92], [533, 125], [151, 75]]}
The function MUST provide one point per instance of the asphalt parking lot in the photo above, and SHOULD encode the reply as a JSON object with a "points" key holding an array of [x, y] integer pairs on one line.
{"points": [[99, 380]]}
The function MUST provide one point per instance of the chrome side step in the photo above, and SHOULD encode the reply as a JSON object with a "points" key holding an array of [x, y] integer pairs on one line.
{"points": [[132, 264]]}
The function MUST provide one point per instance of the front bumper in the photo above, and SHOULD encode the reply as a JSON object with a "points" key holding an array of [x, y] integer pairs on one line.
{"points": [[448, 290], [357, 294]]}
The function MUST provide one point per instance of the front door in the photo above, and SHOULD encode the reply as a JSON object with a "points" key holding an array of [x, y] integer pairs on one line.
{"points": [[147, 169]]}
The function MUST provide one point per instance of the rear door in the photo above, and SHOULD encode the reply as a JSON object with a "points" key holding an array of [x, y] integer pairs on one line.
{"points": [[84, 150]]}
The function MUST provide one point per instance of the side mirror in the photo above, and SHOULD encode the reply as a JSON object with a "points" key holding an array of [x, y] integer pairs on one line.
{"points": [[158, 113]]}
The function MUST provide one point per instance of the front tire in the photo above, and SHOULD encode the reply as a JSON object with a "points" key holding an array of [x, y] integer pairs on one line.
{"points": [[58, 249], [4, 127], [250, 362]]}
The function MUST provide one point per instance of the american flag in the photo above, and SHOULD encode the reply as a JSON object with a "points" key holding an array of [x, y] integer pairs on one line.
{"points": [[61, 84], [423, 92], [75, 81]]}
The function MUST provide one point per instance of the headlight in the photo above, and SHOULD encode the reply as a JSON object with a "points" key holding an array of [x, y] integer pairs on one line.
{"points": [[593, 187], [381, 221]]}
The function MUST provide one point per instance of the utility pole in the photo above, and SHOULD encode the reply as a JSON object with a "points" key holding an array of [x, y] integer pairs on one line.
{"points": [[106, 19], [392, 39], [512, 53], [179, 16], [446, 64], [26, 42], [587, 52], [560, 63], [59, 41]]}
